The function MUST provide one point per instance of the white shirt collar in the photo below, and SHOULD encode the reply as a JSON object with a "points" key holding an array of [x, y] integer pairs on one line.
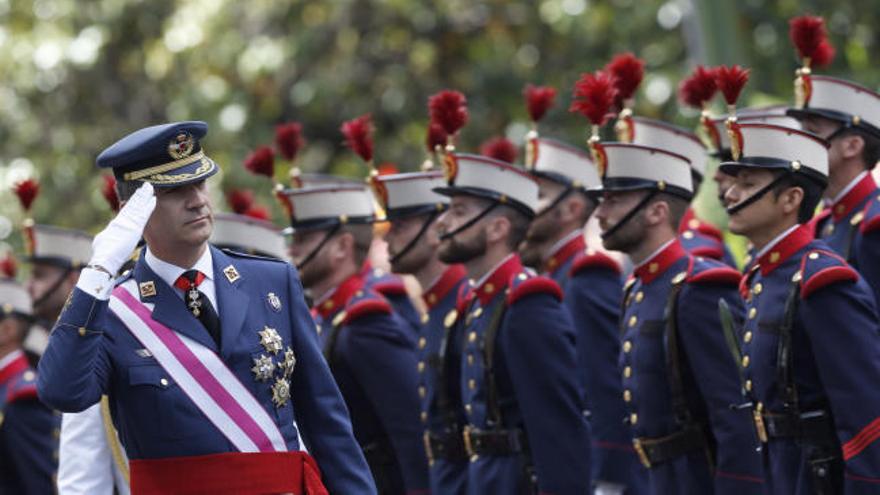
{"points": [[849, 187], [488, 274], [562, 242], [655, 253], [770, 245], [170, 273]]}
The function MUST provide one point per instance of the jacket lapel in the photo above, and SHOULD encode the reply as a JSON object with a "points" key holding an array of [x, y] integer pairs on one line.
{"points": [[231, 297], [168, 307]]}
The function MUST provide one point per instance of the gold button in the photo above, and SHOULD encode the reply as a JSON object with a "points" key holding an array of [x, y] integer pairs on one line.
{"points": [[747, 337], [633, 418], [753, 313], [639, 296], [472, 384], [745, 361], [627, 372], [653, 267], [163, 382], [424, 416], [421, 366], [425, 318], [633, 320], [627, 396], [468, 408], [472, 337], [422, 391], [748, 385], [422, 342], [470, 359], [432, 298], [477, 312], [814, 256], [688, 234], [82, 331], [489, 288], [774, 256], [627, 346], [758, 288]]}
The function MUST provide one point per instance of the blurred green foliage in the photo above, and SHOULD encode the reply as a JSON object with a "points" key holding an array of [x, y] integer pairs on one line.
{"points": [[77, 75]]}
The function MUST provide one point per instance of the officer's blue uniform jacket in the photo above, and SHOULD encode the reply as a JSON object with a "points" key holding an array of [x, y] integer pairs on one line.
{"points": [[592, 284], [703, 239], [392, 288], [835, 357], [538, 393], [91, 353], [851, 227], [439, 354], [709, 377], [28, 432], [372, 355]]}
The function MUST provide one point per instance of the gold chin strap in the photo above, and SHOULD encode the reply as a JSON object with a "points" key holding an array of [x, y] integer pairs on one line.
{"points": [[113, 440]]}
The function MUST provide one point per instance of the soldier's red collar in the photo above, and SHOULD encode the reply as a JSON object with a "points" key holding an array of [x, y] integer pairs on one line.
{"points": [[565, 252], [498, 280], [784, 249], [689, 221], [15, 364], [340, 296], [660, 262], [845, 205], [447, 281]]}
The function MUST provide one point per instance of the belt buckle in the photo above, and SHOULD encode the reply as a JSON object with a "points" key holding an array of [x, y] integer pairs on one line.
{"points": [[468, 446], [640, 450], [426, 440], [760, 426]]}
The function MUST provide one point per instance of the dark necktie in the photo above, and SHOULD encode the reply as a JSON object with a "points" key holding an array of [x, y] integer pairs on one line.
{"points": [[198, 303]]}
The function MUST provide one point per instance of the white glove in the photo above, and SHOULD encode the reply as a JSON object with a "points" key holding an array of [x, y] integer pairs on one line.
{"points": [[114, 245]]}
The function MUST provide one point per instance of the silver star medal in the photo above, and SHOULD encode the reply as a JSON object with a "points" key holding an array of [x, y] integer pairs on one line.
{"points": [[288, 362], [193, 302], [281, 392], [270, 339], [263, 368]]}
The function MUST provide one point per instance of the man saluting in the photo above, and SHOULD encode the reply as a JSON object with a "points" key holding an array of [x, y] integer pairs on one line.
{"points": [[209, 358]]}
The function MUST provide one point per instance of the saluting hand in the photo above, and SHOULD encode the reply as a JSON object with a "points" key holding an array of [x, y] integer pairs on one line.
{"points": [[114, 245]]}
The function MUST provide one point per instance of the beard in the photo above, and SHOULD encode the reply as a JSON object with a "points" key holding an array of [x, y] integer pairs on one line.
{"points": [[455, 251], [541, 230], [627, 237], [315, 270], [416, 258]]}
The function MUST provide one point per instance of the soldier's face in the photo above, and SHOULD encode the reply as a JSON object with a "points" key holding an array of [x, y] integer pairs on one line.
{"points": [[545, 226], [401, 233], [48, 287], [613, 208], [301, 246], [826, 128], [469, 243], [183, 216], [758, 216], [724, 182]]}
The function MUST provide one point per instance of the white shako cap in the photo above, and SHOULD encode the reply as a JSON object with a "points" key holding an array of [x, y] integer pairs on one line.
{"points": [[629, 167], [485, 177], [248, 235], [774, 115], [775, 147], [66, 248], [564, 163], [658, 134], [14, 299], [407, 194], [322, 207], [843, 101]]}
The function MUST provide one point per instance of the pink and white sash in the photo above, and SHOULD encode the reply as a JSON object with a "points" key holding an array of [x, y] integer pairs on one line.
{"points": [[200, 373]]}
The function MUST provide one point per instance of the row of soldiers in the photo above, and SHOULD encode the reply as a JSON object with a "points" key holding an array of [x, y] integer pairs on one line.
{"points": [[689, 377]]}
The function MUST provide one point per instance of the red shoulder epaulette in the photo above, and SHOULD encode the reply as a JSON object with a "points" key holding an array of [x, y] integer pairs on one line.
{"points": [[367, 306], [23, 392], [824, 276], [717, 275], [596, 259], [390, 288], [713, 252], [710, 230], [532, 285]]}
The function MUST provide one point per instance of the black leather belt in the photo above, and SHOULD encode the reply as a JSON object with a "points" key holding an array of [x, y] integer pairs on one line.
{"points": [[493, 442], [815, 427], [448, 445], [654, 451]]}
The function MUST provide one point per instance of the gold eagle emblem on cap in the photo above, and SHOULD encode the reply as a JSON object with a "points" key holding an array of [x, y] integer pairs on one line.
{"points": [[181, 146]]}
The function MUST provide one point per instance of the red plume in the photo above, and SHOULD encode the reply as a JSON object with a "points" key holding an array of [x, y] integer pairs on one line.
{"points": [[257, 211], [8, 266], [699, 88], [731, 80], [436, 137], [108, 190], [27, 191], [240, 200], [628, 71], [288, 139], [449, 109], [500, 149], [539, 99], [359, 136], [594, 96], [810, 39], [261, 161]]}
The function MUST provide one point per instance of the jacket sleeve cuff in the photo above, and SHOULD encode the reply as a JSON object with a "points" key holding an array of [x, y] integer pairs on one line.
{"points": [[95, 283]]}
